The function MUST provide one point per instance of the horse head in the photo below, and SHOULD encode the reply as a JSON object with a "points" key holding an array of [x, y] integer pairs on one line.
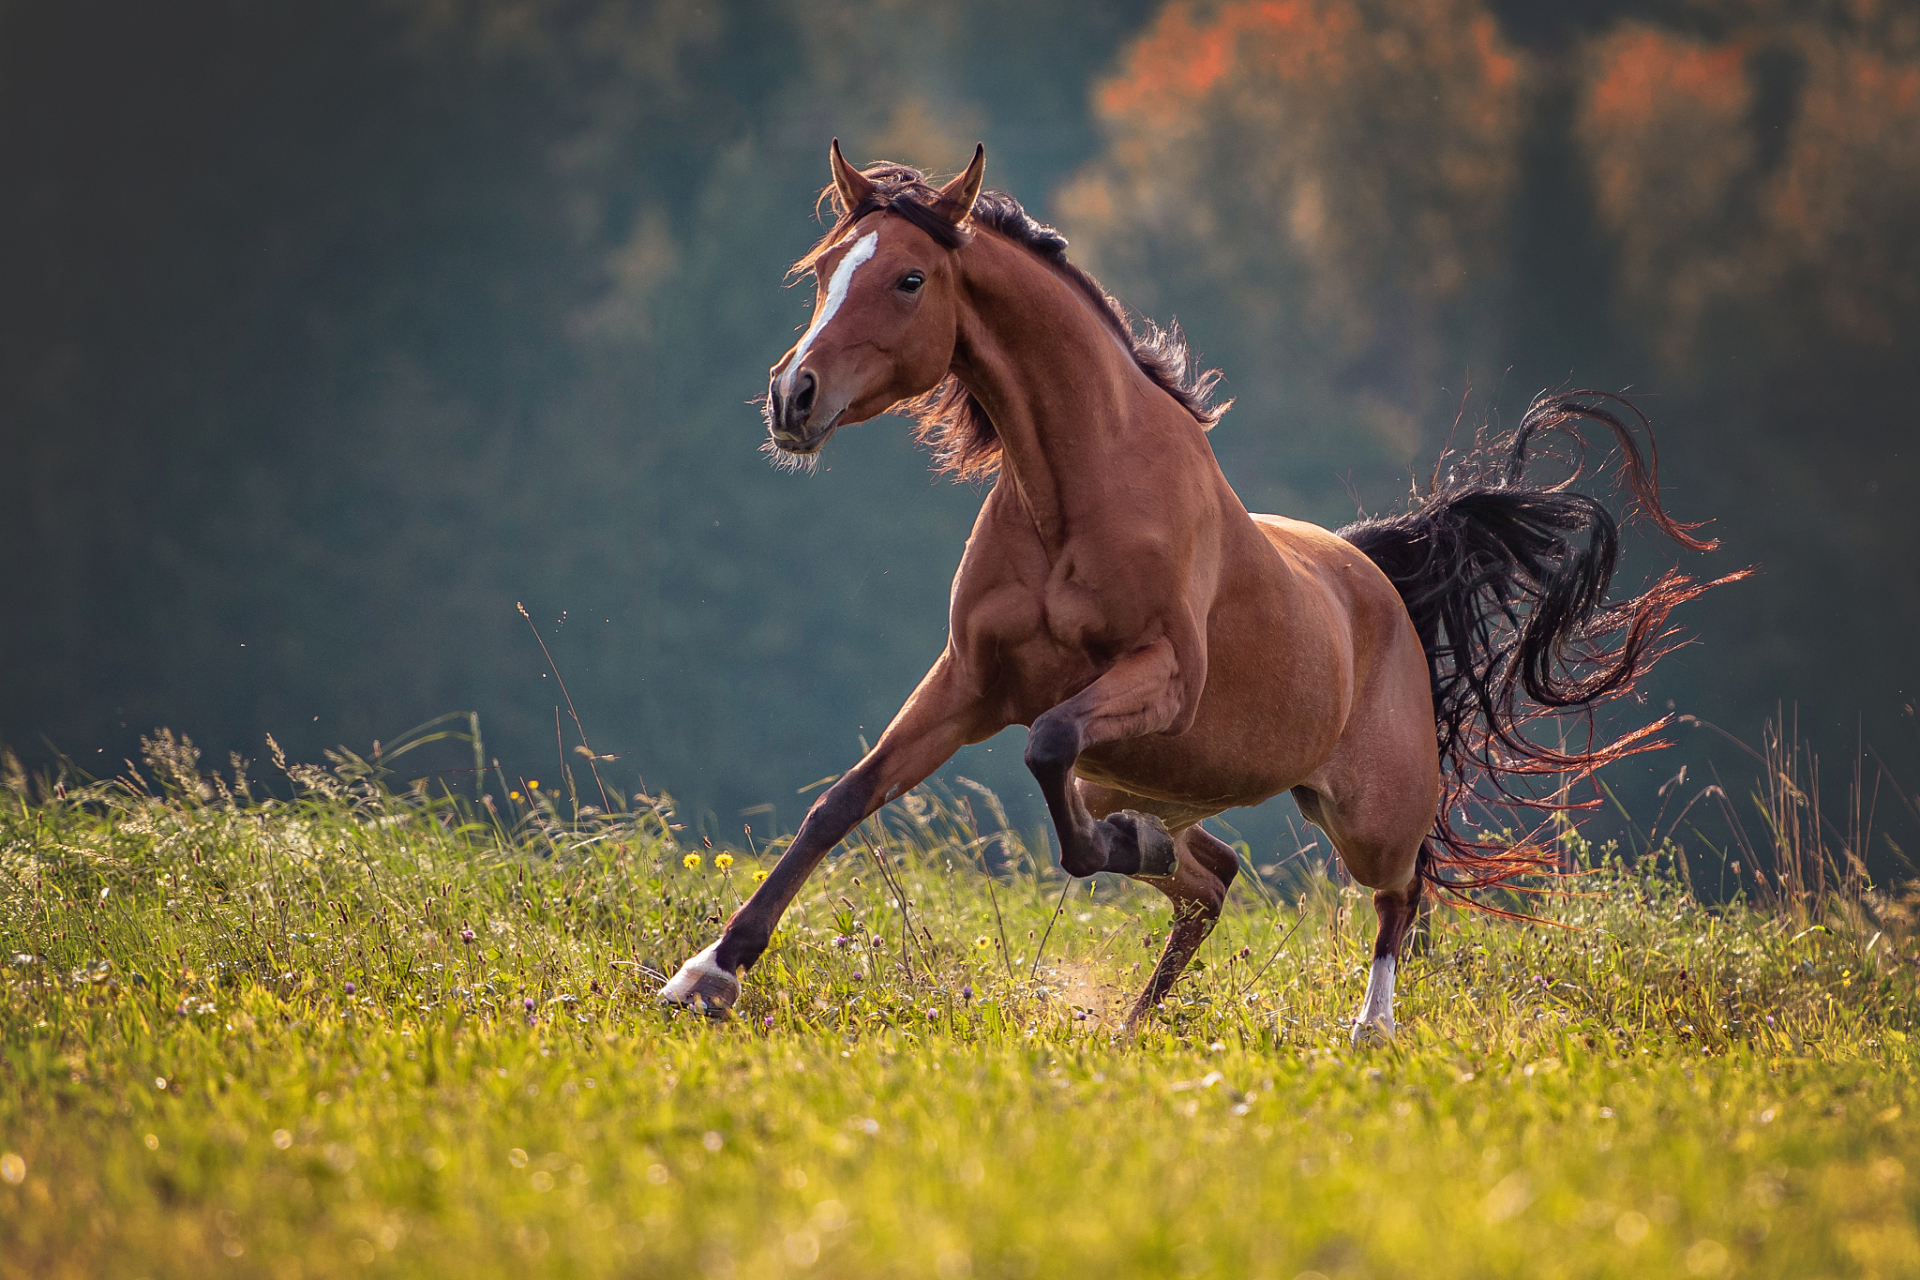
{"points": [[886, 305]]}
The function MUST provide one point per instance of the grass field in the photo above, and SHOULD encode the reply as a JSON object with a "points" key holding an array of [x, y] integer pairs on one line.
{"points": [[369, 1032]]}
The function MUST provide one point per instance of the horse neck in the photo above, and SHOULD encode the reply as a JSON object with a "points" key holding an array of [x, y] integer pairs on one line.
{"points": [[1074, 412]]}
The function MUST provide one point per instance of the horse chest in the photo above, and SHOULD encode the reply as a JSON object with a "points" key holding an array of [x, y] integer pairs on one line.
{"points": [[1032, 645], [1074, 615]]}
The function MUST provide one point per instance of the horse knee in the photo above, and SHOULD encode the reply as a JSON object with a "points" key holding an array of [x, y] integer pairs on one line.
{"points": [[1053, 744]]}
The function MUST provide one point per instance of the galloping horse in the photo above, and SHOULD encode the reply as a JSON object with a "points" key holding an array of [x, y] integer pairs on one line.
{"points": [[1173, 655]]}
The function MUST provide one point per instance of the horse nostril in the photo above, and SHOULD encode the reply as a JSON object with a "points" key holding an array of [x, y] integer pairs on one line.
{"points": [[773, 399], [803, 388]]}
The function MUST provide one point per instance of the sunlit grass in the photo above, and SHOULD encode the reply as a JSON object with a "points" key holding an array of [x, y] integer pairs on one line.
{"points": [[369, 1031]]}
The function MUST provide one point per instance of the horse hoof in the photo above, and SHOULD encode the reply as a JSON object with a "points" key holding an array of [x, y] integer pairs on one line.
{"points": [[1152, 842], [1376, 1034], [702, 984]]}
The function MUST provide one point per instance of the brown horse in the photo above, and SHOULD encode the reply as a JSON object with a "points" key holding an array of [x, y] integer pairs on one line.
{"points": [[1173, 655]]}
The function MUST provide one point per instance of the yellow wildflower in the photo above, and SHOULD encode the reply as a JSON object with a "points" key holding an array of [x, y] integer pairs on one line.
{"points": [[513, 795], [758, 876], [691, 862], [983, 942], [723, 860], [534, 785]]}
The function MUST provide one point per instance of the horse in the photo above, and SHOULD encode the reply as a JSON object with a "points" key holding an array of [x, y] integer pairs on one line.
{"points": [[1172, 655]]}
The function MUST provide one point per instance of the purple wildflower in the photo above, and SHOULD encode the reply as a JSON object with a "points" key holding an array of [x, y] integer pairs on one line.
{"points": [[966, 992], [466, 936], [349, 988]]}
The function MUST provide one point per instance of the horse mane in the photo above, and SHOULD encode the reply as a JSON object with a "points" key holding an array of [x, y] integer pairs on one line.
{"points": [[949, 419]]}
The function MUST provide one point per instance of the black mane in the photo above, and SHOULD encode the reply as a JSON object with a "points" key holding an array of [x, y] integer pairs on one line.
{"points": [[948, 418]]}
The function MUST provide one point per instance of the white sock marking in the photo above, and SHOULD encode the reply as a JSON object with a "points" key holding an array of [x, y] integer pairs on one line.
{"points": [[836, 294], [1377, 1007], [681, 986]]}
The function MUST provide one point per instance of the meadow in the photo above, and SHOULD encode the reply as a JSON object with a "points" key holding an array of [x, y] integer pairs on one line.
{"points": [[365, 1026]]}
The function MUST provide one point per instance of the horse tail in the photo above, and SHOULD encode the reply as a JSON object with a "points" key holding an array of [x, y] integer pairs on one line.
{"points": [[1506, 582]]}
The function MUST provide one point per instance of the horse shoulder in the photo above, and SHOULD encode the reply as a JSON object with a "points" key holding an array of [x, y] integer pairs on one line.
{"points": [[999, 587]]}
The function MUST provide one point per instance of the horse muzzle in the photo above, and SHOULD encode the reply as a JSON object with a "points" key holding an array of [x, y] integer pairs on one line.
{"points": [[791, 420]]}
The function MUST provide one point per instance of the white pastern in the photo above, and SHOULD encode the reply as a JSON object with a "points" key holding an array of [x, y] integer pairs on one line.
{"points": [[1376, 1010], [837, 287]]}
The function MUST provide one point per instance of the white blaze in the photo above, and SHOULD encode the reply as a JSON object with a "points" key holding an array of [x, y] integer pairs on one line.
{"points": [[836, 294]]}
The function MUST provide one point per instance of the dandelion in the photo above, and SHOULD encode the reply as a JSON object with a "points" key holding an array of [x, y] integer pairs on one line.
{"points": [[983, 942], [691, 862], [513, 795], [533, 785], [758, 876], [723, 860]]}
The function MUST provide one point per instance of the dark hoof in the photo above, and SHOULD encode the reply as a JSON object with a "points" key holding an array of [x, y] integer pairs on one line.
{"points": [[1142, 846]]}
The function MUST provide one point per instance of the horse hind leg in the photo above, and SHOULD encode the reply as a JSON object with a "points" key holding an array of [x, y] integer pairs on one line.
{"points": [[1203, 871], [1398, 912]]}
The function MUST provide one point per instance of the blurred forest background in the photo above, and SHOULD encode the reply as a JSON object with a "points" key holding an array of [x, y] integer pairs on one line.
{"points": [[330, 329]]}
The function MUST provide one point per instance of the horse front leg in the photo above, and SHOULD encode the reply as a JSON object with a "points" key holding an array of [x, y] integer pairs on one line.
{"points": [[937, 720], [1137, 696]]}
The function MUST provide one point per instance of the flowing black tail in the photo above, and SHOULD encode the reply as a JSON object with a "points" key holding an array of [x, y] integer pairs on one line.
{"points": [[1506, 583]]}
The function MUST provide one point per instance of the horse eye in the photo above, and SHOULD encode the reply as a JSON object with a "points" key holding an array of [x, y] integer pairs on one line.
{"points": [[912, 282]]}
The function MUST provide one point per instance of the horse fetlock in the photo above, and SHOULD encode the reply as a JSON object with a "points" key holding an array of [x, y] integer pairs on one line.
{"points": [[1080, 858], [1138, 844], [702, 984], [1379, 1033]]}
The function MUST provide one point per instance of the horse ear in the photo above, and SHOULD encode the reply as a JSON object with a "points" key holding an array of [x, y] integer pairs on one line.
{"points": [[852, 185], [957, 197]]}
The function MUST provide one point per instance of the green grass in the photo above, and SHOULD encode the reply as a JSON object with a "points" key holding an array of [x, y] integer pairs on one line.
{"points": [[246, 1037]]}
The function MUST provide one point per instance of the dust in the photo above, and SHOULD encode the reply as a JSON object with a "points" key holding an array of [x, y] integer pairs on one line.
{"points": [[1084, 996]]}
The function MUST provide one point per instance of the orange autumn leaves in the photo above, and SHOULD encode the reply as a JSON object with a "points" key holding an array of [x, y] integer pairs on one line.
{"points": [[1780, 164], [1340, 172], [1340, 179]]}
